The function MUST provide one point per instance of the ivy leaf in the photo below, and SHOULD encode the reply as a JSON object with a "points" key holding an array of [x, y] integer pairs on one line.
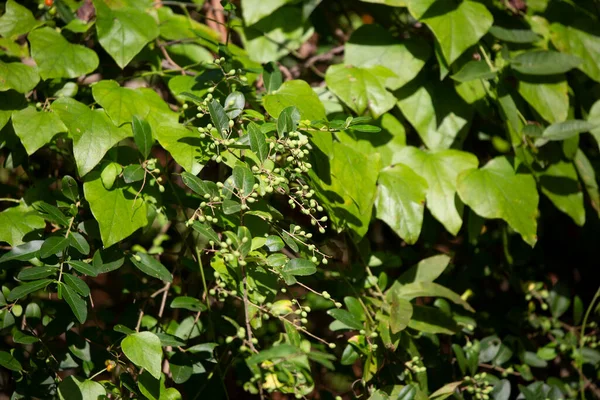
{"points": [[435, 111], [548, 97], [295, 93], [258, 143], [145, 351], [440, 169], [361, 88], [183, 145], [17, 20], [151, 266], [496, 191], [92, 131], [544, 62], [456, 27], [401, 201], [25, 289], [118, 212], [300, 267], [77, 304], [113, 26], [17, 76], [371, 45], [74, 388], [36, 128], [560, 184], [57, 58], [287, 120], [16, 222], [586, 46], [142, 135], [243, 179], [255, 10]]}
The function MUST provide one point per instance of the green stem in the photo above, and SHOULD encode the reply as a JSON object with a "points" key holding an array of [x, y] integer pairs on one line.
{"points": [[8, 199]]}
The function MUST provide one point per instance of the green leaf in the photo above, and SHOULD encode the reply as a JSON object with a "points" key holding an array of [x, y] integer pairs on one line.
{"points": [[400, 313], [74, 388], [272, 77], [205, 231], [566, 129], [25, 289], [151, 266], [17, 20], [77, 304], [36, 128], [548, 97], [243, 179], [560, 184], [77, 284], [430, 289], [287, 120], [112, 26], [455, 26], [78, 242], [34, 273], [53, 214], [594, 119], [346, 318], [440, 169], [544, 62], [219, 117], [92, 132], [109, 174], [17, 76], [57, 58], [53, 245], [372, 45], [145, 351], [496, 191], [401, 201], [189, 303], [391, 3], [133, 173], [16, 222], [427, 270], [84, 268], [432, 320], [199, 186], [580, 43], [295, 93], [24, 252], [69, 188], [435, 111], [118, 212], [514, 35], [272, 38], [300, 267], [586, 172], [183, 145], [361, 88], [9, 362], [474, 70], [234, 104], [258, 143], [255, 10], [142, 135]]}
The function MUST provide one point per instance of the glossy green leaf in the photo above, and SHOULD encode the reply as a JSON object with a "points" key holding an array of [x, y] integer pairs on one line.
{"points": [[133, 173], [69, 188], [145, 351], [287, 121], [514, 35], [544, 62], [77, 285], [587, 173], [400, 313], [426, 270], [372, 45], [430, 289], [79, 243], [496, 191], [206, 231], [151, 266], [74, 388], [361, 88], [77, 304], [53, 214], [295, 93], [17, 20], [580, 43], [474, 70], [92, 132], [23, 252], [346, 318], [113, 25], [548, 98], [16, 222], [53, 245], [57, 58], [272, 77], [36, 128], [255, 10], [142, 135], [84, 268], [34, 273], [565, 130], [183, 145], [300, 267], [401, 201], [219, 117], [243, 179], [17, 76], [440, 169], [27, 288], [594, 119], [118, 212], [258, 143], [188, 303], [455, 26], [560, 184], [9, 362], [234, 104], [109, 174]]}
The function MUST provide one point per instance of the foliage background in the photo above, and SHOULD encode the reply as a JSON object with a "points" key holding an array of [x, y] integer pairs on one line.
{"points": [[165, 236]]}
